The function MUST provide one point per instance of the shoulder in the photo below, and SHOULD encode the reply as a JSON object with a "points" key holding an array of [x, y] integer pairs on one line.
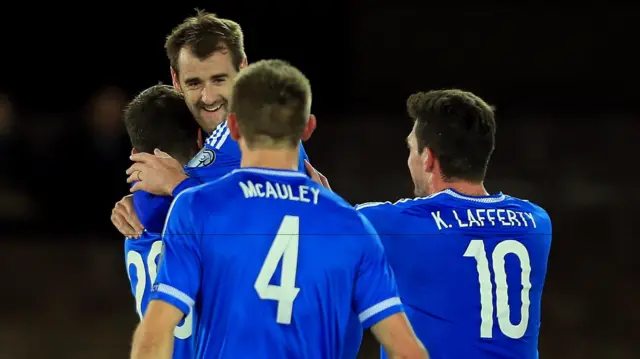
{"points": [[187, 207], [220, 138], [335, 204], [541, 215], [212, 187], [219, 149], [533, 207], [348, 219], [192, 198], [345, 210], [141, 244], [397, 206], [374, 210], [395, 217]]}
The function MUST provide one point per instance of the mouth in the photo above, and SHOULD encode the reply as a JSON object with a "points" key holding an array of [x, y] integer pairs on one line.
{"points": [[212, 108]]}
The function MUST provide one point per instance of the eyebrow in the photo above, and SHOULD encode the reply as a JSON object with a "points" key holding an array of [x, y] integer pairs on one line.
{"points": [[219, 76], [192, 79], [216, 76]]}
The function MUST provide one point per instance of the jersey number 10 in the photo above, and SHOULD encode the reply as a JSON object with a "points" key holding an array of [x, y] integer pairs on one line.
{"points": [[476, 250], [284, 246]]}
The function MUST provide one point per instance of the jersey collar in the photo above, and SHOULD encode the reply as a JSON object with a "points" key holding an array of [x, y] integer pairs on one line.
{"points": [[492, 198], [269, 171]]}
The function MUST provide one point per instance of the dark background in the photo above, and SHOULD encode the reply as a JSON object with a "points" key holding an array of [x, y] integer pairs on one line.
{"points": [[562, 78]]}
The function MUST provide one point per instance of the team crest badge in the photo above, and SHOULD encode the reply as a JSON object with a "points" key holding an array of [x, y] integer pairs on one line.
{"points": [[203, 159]]}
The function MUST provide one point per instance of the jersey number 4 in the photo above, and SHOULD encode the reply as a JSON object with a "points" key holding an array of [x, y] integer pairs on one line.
{"points": [[135, 259], [285, 247], [476, 250]]}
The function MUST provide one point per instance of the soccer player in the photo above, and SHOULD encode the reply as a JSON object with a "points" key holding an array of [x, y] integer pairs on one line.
{"points": [[275, 269], [470, 265], [158, 118], [205, 53]]}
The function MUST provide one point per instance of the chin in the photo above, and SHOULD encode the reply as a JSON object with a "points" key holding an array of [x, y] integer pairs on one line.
{"points": [[215, 118], [209, 124]]}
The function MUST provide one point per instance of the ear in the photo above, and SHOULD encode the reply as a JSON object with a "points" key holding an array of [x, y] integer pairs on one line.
{"points": [[428, 159], [244, 63], [175, 80], [200, 139], [309, 128], [232, 124]]}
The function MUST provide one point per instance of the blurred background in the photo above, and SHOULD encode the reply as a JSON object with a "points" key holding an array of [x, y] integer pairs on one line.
{"points": [[563, 80]]}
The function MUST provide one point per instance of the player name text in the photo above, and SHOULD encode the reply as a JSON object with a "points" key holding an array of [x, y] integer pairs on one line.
{"points": [[277, 190], [481, 217]]}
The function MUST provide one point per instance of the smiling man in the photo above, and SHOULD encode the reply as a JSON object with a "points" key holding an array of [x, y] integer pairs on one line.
{"points": [[206, 53]]}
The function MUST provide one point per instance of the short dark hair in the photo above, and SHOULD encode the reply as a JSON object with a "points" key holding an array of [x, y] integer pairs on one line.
{"points": [[458, 127], [159, 118], [204, 34], [272, 102]]}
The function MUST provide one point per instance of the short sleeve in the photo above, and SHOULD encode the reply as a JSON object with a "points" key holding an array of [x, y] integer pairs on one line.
{"points": [[151, 210], [376, 294], [179, 272]]}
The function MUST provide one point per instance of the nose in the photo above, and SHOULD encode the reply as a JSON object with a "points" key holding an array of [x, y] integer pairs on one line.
{"points": [[208, 94]]}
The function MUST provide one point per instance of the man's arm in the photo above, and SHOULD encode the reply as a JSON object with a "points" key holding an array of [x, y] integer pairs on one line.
{"points": [[378, 304], [157, 179], [158, 174], [177, 284], [154, 339], [398, 339]]}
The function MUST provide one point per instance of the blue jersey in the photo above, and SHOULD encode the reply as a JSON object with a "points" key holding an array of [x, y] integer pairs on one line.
{"points": [[275, 269], [141, 257], [470, 271], [219, 156]]}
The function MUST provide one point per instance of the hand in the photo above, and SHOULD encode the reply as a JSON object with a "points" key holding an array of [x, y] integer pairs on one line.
{"points": [[125, 219], [157, 174], [316, 176]]}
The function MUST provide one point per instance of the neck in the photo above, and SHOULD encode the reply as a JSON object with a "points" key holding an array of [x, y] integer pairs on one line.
{"points": [[281, 159], [463, 187]]}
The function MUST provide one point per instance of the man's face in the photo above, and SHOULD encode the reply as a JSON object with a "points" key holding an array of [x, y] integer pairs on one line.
{"points": [[206, 85], [417, 165]]}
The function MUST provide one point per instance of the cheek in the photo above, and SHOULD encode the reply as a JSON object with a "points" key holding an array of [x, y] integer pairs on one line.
{"points": [[413, 162], [192, 97], [414, 159], [225, 90]]}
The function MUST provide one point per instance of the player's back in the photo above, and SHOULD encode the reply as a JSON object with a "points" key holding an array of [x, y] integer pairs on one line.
{"points": [[470, 271], [279, 264], [141, 258]]}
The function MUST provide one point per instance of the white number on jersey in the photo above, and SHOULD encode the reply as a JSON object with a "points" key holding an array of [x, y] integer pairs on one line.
{"points": [[284, 246], [135, 259], [477, 251]]}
